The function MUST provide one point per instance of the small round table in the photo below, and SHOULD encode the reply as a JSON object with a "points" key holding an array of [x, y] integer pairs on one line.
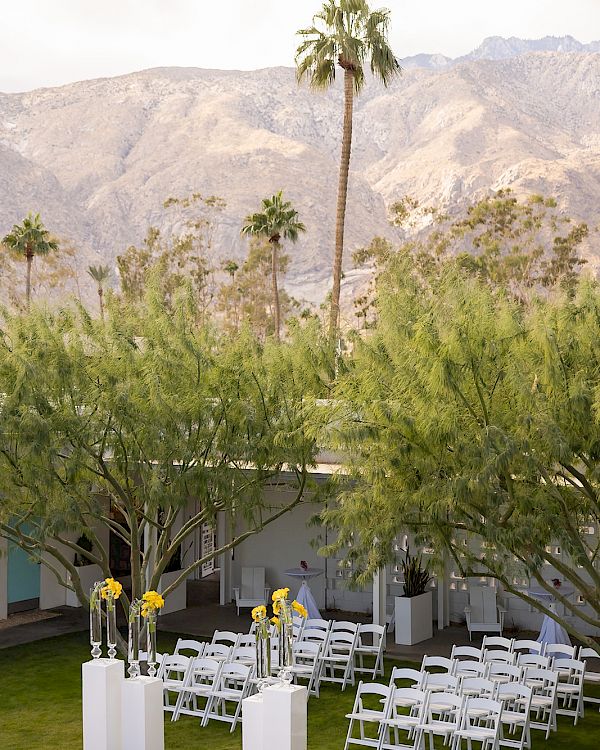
{"points": [[304, 595], [552, 631]]}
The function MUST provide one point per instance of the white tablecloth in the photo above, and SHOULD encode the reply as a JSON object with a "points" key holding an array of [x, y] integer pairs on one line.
{"points": [[304, 595], [552, 631]]}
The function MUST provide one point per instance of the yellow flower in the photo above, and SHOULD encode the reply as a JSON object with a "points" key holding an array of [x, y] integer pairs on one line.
{"points": [[111, 587], [151, 602], [259, 613], [300, 609], [280, 594], [275, 621], [276, 606]]}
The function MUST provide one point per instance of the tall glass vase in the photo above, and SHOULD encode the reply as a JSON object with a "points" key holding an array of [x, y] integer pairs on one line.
{"points": [[263, 653], [151, 642], [133, 641], [111, 625], [286, 641], [96, 619]]}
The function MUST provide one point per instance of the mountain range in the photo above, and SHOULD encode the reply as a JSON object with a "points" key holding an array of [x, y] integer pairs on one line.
{"points": [[98, 158]]}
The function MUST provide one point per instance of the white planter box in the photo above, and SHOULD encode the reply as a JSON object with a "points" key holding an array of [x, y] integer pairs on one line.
{"points": [[414, 618], [88, 574], [177, 600]]}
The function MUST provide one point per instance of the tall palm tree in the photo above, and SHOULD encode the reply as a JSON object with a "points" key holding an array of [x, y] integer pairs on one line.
{"points": [[27, 240], [349, 34], [278, 219], [100, 274]]}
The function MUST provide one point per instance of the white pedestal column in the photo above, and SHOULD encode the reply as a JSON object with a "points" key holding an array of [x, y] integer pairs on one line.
{"points": [[253, 723], [284, 717], [102, 679], [142, 714]]}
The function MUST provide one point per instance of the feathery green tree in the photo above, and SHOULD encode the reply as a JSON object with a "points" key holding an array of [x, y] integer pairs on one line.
{"points": [[349, 34], [473, 420], [100, 274], [28, 239], [278, 220], [115, 428]]}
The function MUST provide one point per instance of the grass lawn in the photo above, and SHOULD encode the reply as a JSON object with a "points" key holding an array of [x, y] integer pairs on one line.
{"points": [[40, 707]]}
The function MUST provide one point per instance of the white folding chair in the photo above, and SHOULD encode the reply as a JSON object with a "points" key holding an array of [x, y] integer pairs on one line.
{"points": [[477, 687], [569, 689], [516, 707], [226, 637], [232, 685], [196, 647], [339, 657], [466, 652], [560, 651], [473, 729], [543, 683], [340, 626], [247, 641], [537, 661], [298, 624], [439, 682], [199, 684], [315, 635], [371, 642], [592, 676], [440, 718], [499, 656], [412, 676], [497, 641], [471, 669], [437, 662], [367, 715], [307, 663], [244, 655], [217, 651], [402, 723], [529, 646], [174, 672], [503, 673]]}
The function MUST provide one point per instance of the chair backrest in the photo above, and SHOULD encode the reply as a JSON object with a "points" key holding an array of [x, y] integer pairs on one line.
{"points": [[513, 691], [473, 708], [471, 669], [468, 652], [244, 653], [482, 600], [497, 641], [499, 656], [253, 583], [534, 660], [225, 636], [342, 638], [496, 669], [217, 649], [373, 633], [174, 667], [439, 662], [561, 650], [411, 696], [187, 645], [306, 649], [318, 624], [591, 659], [477, 686], [542, 681], [372, 688], [526, 644], [440, 679], [314, 634], [341, 626], [405, 673], [449, 704], [247, 640], [235, 678], [204, 670], [574, 668]]}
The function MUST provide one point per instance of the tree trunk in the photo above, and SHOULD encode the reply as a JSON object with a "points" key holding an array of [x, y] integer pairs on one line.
{"points": [[29, 257], [275, 289], [334, 316], [100, 298]]}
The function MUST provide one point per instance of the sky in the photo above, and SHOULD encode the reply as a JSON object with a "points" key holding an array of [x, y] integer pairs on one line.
{"points": [[52, 42]]}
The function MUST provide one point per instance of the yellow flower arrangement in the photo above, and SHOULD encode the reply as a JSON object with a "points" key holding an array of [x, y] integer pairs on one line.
{"points": [[280, 594], [259, 613], [300, 609], [111, 588], [276, 622], [151, 602]]}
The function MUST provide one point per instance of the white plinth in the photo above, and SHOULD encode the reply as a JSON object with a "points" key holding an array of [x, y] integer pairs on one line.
{"points": [[284, 717], [102, 679], [414, 618], [253, 723], [142, 712]]}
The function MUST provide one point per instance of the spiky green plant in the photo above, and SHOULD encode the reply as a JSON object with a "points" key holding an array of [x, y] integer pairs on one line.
{"points": [[416, 576]]}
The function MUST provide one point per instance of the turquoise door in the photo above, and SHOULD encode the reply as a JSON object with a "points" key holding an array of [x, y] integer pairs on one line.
{"points": [[23, 576]]}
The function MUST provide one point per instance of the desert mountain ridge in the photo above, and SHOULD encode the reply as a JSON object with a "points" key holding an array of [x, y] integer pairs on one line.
{"points": [[98, 158]]}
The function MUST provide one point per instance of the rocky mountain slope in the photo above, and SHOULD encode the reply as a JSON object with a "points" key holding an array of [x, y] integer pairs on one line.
{"points": [[98, 158]]}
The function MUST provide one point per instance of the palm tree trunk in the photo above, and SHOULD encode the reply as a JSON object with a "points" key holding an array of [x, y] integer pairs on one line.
{"points": [[275, 289], [100, 298], [341, 202], [29, 258]]}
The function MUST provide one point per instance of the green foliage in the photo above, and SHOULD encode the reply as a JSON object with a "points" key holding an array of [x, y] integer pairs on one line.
{"points": [[349, 34], [416, 577], [466, 414]]}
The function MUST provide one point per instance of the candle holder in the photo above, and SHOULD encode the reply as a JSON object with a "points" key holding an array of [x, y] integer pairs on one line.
{"points": [[133, 642], [111, 624], [96, 619], [263, 653], [151, 620]]}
